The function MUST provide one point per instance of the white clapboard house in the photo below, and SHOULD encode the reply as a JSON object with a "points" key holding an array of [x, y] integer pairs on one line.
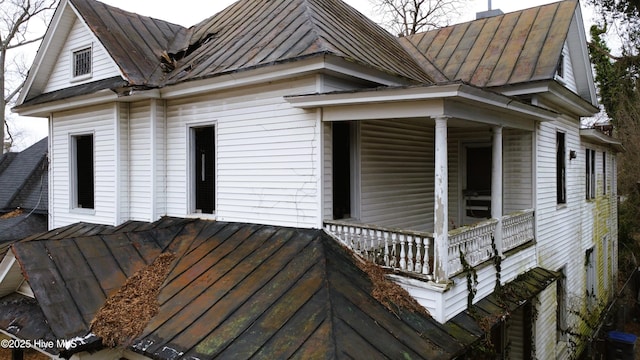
{"points": [[453, 158]]}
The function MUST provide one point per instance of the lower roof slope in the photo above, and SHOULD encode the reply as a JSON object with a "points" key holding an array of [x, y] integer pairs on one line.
{"points": [[234, 290]]}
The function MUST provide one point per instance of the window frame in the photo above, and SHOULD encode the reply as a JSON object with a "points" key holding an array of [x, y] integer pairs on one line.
{"points": [[84, 76], [192, 168], [74, 173]]}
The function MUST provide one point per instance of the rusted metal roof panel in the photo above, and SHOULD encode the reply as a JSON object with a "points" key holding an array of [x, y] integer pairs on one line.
{"points": [[237, 291], [135, 42], [513, 48], [257, 33]]}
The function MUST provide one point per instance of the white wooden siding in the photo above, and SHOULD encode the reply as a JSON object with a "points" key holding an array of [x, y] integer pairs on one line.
{"points": [[267, 169], [397, 174], [568, 79], [103, 66], [99, 121], [517, 170], [159, 155], [545, 323], [327, 171], [515, 332], [140, 161], [123, 162]]}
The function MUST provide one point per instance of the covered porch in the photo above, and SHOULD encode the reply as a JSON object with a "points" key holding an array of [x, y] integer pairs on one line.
{"points": [[428, 180]]}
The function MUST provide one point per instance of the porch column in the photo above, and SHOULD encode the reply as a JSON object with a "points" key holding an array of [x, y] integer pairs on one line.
{"points": [[496, 185], [441, 203]]}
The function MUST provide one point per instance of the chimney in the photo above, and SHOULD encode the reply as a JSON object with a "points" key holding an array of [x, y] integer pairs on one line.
{"points": [[488, 13]]}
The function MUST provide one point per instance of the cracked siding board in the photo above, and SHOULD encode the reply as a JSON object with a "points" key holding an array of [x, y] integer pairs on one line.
{"points": [[266, 154], [103, 66], [102, 126]]}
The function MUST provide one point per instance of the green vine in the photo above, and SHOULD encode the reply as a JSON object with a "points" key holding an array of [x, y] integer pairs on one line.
{"points": [[497, 263], [472, 280]]}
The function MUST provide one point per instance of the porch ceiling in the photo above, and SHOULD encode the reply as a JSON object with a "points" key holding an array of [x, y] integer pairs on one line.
{"points": [[465, 105]]}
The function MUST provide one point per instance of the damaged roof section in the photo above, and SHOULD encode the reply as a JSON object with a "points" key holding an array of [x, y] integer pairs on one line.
{"points": [[234, 290], [255, 33]]}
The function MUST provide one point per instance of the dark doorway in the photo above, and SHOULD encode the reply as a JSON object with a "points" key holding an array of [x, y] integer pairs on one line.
{"points": [[341, 170], [204, 169]]}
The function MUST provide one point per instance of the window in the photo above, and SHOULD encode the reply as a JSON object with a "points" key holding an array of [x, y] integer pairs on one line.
{"points": [[561, 169], [604, 173], [203, 169], [82, 62], [560, 71], [590, 160], [82, 170]]}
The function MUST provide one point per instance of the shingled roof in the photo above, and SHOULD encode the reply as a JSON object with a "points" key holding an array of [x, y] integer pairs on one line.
{"points": [[234, 290], [513, 48]]}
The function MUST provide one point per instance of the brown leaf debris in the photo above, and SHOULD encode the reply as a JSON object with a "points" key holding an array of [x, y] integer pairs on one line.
{"points": [[390, 294], [126, 313]]}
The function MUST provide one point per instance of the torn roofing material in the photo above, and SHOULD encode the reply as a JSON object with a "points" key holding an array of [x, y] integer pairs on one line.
{"points": [[234, 290]]}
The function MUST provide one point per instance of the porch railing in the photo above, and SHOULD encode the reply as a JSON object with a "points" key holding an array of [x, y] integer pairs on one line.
{"points": [[474, 241], [517, 229], [410, 251]]}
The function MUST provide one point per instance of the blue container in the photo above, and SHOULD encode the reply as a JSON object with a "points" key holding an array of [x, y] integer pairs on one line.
{"points": [[620, 345]]}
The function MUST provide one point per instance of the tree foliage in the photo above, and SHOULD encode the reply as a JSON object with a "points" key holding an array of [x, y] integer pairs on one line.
{"points": [[618, 80], [408, 17], [16, 23]]}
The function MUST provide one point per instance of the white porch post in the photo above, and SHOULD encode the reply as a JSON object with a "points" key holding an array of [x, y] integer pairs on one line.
{"points": [[441, 204], [496, 185]]}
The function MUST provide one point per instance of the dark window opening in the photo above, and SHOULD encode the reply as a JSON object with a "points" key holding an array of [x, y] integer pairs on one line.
{"points": [[84, 171], [561, 169], [590, 170], [204, 169], [604, 173], [478, 191], [341, 170], [82, 62], [560, 71]]}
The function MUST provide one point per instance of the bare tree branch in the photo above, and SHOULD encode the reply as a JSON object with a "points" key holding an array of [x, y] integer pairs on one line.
{"points": [[408, 17], [15, 32]]}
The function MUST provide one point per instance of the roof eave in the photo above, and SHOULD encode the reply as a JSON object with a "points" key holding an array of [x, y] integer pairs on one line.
{"points": [[601, 138], [448, 91]]}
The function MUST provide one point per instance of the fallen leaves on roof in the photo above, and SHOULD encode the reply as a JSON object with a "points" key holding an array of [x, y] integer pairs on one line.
{"points": [[390, 294], [126, 313], [15, 213]]}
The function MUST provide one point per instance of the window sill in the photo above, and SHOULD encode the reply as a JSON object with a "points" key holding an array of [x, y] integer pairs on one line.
{"points": [[202, 216], [83, 211], [81, 78]]}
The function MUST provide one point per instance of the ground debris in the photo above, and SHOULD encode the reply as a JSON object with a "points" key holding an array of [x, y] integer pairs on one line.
{"points": [[126, 313]]}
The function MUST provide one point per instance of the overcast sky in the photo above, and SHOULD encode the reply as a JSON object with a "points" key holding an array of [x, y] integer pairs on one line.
{"points": [[190, 12]]}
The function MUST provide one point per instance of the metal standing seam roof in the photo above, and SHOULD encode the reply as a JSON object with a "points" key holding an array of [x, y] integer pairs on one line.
{"points": [[513, 48], [134, 42], [256, 33], [234, 290], [23, 178]]}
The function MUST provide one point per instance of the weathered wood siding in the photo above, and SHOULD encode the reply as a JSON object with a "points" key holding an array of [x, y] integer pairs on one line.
{"points": [[397, 162], [103, 66], [268, 154], [101, 122]]}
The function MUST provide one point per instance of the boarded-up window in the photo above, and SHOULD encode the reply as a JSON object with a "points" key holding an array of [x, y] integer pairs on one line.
{"points": [[83, 180], [203, 169], [561, 168], [82, 62]]}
